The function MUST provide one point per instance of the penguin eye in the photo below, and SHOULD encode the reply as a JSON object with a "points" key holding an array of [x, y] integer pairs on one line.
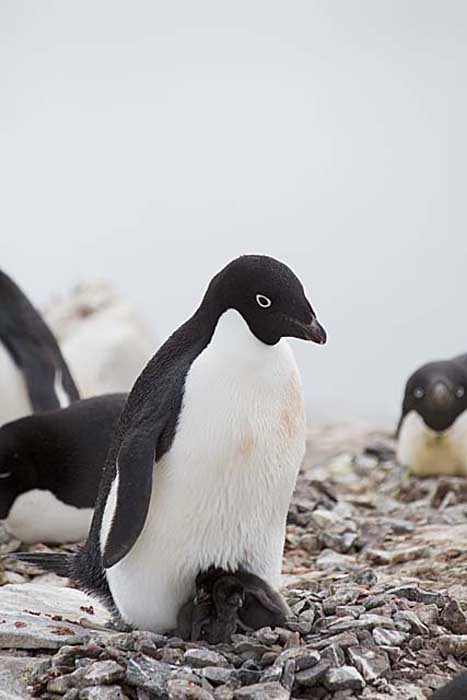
{"points": [[263, 301], [5, 475], [460, 391], [418, 392]]}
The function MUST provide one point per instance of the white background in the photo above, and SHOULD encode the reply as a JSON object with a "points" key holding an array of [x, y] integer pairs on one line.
{"points": [[149, 143]]}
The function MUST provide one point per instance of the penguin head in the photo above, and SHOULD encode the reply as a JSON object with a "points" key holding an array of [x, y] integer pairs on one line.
{"points": [[228, 594], [269, 296], [16, 474], [438, 393]]}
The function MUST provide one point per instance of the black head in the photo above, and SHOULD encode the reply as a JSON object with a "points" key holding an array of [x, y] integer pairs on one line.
{"points": [[438, 393], [16, 473], [269, 296], [228, 594]]}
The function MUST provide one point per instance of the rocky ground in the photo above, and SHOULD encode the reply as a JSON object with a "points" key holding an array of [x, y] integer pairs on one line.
{"points": [[375, 572]]}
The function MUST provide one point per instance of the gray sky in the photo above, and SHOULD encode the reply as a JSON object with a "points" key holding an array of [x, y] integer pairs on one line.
{"points": [[150, 142]]}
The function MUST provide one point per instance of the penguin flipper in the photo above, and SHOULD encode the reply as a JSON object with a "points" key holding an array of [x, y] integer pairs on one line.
{"points": [[59, 563], [134, 466], [39, 368]]}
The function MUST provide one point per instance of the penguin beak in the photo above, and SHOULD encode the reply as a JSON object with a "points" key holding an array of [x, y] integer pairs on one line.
{"points": [[313, 331], [441, 394]]}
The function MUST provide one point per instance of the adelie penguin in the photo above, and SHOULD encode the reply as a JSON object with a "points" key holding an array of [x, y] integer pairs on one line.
{"points": [[50, 466], [33, 374], [204, 460], [432, 430]]}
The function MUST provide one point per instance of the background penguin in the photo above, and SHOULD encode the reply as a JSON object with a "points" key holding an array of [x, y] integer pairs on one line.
{"points": [[204, 460], [33, 374], [50, 466], [454, 690], [432, 431]]}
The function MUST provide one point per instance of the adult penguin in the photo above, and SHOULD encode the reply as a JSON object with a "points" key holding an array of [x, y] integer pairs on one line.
{"points": [[204, 460], [33, 374], [50, 467], [432, 431]]}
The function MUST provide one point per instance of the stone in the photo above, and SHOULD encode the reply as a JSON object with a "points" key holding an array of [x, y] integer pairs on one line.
{"points": [[330, 560], [385, 637], [312, 676], [149, 674], [27, 613], [14, 674], [417, 595], [334, 654], [69, 680], [98, 692], [343, 678], [199, 658], [455, 644], [371, 662], [383, 556], [262, 691], [288, 675], [185, 690], [453, 618], [266, 635], [302, 656], [217, 675], [344, 640], [103, 673], [412, 619]]}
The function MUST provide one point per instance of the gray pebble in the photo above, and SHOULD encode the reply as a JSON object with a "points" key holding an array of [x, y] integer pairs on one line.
{"points": [[344, 678], [263, 691], [199, 658]]}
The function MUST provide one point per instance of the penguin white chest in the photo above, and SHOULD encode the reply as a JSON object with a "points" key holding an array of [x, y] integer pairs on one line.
{"points": [[39, 516], [15, 399], [428, 453], [221, 494]]}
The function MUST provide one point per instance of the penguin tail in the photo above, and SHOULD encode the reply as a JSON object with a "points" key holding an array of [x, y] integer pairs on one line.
{"points": [[57, 562]]}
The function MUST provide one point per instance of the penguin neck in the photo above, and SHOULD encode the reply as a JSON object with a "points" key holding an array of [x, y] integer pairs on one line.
{"points": [[233, 340]]}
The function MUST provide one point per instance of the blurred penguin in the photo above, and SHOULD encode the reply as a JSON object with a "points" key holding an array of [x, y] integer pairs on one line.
{"points": [[50, 467], [432, 430], [454, 690], [33, 374]]}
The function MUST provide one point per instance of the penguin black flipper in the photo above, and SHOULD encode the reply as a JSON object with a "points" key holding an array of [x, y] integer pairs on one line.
{"points": [[59, 563], [134, 464], [34, 350]]}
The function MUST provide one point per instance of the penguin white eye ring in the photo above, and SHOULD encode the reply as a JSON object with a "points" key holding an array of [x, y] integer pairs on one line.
{"points": [[5, 475], [460, 391], [263, 301], [418, 392]]}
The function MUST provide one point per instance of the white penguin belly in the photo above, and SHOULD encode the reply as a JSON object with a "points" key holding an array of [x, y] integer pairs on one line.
{"points": [[428, 453], [38, 516], [221, 494], [14, 396]]}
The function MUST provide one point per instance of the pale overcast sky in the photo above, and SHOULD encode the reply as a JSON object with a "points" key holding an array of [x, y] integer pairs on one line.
{"points": [[151, 142]]}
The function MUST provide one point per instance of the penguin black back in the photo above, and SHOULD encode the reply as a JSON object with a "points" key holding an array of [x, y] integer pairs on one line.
{"points": [[60, 453], [34, 350]]}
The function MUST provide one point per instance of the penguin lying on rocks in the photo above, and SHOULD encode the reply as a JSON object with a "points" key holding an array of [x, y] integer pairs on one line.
{"points": [[432, 430], [50, 467], [33, 374], [205, 457], [225, 602]]}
